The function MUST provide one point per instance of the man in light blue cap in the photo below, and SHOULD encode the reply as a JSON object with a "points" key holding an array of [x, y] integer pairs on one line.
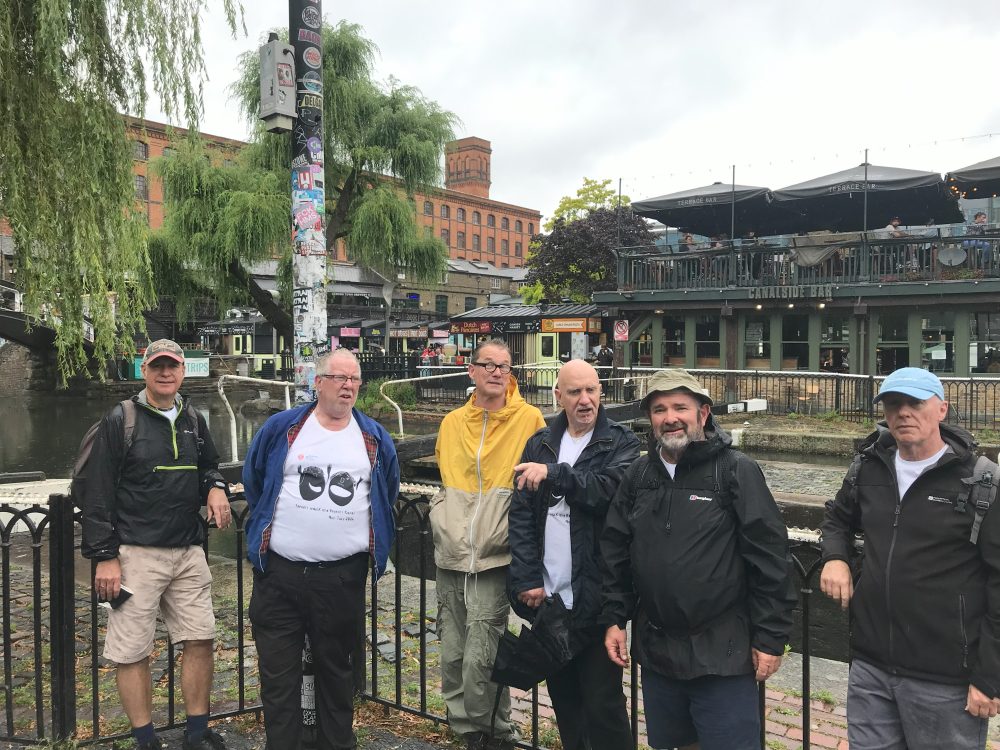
{"points": [[925, 634]]}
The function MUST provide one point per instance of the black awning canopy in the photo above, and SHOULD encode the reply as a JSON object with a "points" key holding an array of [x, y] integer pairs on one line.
{"points": [[708, 210], [837, 201], [980, 180]]}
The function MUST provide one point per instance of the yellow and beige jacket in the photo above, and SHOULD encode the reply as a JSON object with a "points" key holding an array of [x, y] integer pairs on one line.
{"points": [[477, 451]]}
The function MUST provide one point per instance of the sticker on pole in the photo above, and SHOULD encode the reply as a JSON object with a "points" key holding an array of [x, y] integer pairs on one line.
{"points": [[621, 330]]}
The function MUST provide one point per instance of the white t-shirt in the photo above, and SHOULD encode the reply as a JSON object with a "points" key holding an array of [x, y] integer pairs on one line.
{"points": [[323, 509], [671, 468], [908, 471], [557, 574]]}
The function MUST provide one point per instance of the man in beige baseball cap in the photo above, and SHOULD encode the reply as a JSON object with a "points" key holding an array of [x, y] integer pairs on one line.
{"points": [[696, 554]]}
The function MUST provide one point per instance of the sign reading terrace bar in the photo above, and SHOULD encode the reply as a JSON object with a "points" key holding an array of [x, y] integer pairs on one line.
{"points": [[791, 292]]}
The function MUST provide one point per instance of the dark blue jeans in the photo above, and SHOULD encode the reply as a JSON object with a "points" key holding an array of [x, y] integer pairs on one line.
{"points": [[720, 713]]}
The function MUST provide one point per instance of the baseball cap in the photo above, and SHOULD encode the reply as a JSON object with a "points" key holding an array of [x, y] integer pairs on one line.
{"points": [[913, 382], [163, 348], [672, 379]]}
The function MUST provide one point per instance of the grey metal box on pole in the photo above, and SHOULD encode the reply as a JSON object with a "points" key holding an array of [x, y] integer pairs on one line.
{"points": [[277, 86]]}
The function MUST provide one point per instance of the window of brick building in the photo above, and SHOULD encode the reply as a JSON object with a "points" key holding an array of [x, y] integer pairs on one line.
{"points": [[531, 228], [491, 245], [517, 249], [441, 304], [504, 247], [141, 191], [445, 212], [428, 208], [470, 304], [428, 232], [476, 219], [460, 214], [445, 237], [491, 220], [518, 226], [140, 151], [495, 282], [169, 151], [460, 240], [505, 223], [475, 242]]}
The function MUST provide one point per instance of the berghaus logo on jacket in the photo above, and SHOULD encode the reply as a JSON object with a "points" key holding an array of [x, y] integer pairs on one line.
{"points": [[699, 499]]}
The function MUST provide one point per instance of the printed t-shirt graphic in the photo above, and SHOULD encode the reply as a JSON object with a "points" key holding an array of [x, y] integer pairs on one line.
{"points": [[323, 508]]}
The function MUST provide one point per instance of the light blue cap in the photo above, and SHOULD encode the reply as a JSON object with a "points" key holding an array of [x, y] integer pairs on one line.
{"points": [[913, 382]]}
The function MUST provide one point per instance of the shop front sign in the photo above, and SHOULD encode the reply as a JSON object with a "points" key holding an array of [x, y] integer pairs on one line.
{"points": [[821, 291]]}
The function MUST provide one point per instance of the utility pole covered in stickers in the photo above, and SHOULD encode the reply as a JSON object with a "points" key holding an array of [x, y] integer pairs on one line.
{"points": [[308, 194]]}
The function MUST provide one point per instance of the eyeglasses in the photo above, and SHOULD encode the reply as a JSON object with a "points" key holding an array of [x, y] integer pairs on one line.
{"points": [[341, 379], [493, 367]]}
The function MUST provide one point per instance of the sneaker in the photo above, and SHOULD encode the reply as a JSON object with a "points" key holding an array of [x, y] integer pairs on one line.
{"points": [[211, 740], [154, 745], [475, 740]]}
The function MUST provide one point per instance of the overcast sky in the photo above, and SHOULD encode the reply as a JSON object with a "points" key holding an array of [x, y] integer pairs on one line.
{"points": [[669, 94]]}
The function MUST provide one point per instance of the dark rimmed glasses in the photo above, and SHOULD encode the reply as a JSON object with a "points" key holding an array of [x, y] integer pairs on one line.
{"points": [[493, 367]]}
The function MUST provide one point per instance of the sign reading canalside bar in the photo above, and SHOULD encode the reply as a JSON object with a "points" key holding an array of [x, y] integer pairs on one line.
{"points": [[790, 292]]}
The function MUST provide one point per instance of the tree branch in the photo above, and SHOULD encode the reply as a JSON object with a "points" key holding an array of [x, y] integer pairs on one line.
{"points": [[279, 317], [336, 220]]}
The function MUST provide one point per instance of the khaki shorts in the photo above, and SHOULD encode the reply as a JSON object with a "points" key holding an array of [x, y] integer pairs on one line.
{"points": [[174, 581]]}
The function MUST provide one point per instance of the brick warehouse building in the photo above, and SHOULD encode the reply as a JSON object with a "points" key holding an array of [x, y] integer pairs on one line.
{"points": [[468, 221]]}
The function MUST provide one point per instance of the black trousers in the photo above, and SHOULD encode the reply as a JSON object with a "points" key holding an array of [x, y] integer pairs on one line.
{"points": [[325, 601], [589, 703]]}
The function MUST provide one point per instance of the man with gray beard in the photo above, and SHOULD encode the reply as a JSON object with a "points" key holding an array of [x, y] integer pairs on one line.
{"points": [[696, 554]]}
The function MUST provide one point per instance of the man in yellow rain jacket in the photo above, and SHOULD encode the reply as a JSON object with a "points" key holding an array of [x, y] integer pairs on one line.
{"points": [[478, 446]]}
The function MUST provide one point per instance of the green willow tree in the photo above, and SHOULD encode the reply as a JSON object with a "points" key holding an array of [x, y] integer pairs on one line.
{"points": [[68, 70], [381, 144]]}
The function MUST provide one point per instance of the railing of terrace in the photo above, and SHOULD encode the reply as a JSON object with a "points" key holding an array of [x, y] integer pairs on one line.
{"points": [[808, 260], [56, 685]]}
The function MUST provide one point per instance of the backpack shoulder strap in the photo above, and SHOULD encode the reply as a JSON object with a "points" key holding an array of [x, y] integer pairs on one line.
{"points": [[128, 413], [981, 491], [853, 471], [725, 462]]}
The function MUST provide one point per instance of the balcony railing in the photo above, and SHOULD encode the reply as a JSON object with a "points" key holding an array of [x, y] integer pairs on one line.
{"points": [[827, 259]]}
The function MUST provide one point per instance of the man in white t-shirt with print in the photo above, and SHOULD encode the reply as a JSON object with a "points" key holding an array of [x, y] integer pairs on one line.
{"points": [[567, 476], [320, 480], [925, 634]]}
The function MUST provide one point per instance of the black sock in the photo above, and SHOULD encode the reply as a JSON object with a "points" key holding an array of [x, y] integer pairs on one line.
{"points": [[144, 735], [196, 726]]}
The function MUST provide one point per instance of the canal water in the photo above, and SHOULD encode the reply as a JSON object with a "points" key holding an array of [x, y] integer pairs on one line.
{"points": [[42, 432]]}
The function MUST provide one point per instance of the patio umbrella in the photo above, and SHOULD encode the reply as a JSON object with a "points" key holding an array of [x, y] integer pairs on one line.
{"points": [[709, 210], [980, 180], [844, 201]]}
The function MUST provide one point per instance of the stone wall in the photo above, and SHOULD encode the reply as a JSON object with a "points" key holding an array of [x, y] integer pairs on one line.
{"points": [[23, 370]]}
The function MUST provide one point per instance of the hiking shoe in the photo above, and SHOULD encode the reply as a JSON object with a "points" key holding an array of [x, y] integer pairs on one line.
{"points": [[155, 744], [211, 740], [475, 740]]}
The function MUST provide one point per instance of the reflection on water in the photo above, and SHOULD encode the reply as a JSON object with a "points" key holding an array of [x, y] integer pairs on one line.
{"points": [[42, 432]]}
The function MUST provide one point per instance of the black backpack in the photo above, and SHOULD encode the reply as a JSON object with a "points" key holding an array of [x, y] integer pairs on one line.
{"points": [[78, 481]]}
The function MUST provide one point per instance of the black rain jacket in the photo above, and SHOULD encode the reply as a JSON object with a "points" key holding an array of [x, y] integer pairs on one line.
{"points": [[164, 481], [703, 578], [588, 487], [927, 603]]}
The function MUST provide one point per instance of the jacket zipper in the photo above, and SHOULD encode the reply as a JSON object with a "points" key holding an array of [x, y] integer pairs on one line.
{"points": [[965, 637], [888, 561], [479, 502]]}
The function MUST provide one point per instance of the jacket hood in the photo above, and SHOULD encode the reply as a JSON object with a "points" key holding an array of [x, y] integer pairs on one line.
{"points": [[881, 440], [514, 401]]}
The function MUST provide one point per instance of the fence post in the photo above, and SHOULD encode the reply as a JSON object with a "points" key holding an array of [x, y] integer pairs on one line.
{"points": [[62, 616], [871, 395], [837, 380]]}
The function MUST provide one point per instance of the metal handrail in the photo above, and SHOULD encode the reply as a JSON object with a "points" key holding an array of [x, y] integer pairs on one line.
{"points": [[536, 366], [232, 415]]}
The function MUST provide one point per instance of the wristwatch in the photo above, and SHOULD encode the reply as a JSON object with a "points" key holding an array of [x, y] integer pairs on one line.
{"points": [[222, 486]]}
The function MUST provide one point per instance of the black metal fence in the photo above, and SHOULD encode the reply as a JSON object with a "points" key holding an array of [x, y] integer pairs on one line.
{"points": [[56, 685]]}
